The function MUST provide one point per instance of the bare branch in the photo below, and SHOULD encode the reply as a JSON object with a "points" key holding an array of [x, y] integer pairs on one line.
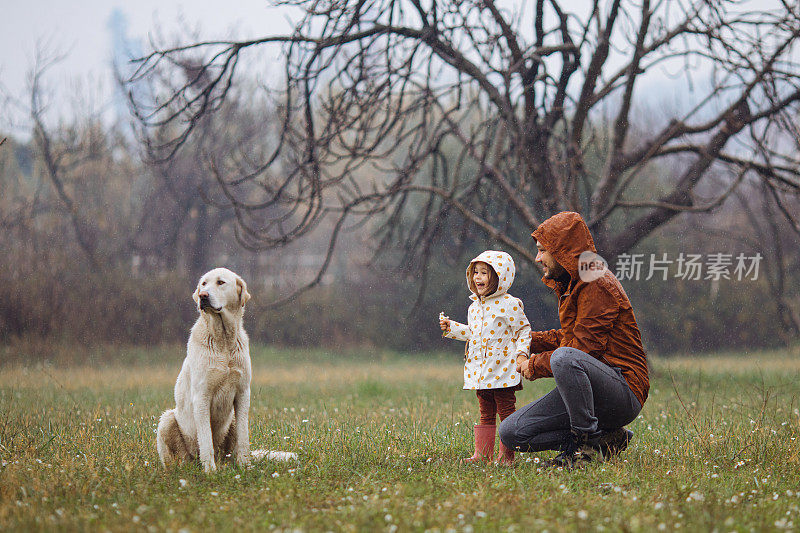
{"points": [[414, 118]]}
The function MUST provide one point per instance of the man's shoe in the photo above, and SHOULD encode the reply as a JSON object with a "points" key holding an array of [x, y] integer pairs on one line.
{"points": [[610, 443], [575, 453]]}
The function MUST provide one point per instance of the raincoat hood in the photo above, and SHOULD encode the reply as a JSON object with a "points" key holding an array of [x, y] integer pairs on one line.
{"points": [[503, 266], [565, 235]]}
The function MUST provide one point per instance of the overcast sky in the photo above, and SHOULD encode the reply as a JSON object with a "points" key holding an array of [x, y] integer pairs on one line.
{"points": [[80, 30]]}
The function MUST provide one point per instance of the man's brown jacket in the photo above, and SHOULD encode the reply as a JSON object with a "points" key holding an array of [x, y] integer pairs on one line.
{"points": [[596, 316]]}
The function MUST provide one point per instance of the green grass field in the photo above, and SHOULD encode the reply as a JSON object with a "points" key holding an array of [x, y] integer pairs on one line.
{"points": [[379, 438]]}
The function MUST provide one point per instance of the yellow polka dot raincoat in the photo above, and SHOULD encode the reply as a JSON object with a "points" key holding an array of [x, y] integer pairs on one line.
{"points": [[497, 332]]}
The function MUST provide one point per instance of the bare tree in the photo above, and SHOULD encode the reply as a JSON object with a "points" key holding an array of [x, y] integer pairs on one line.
{"points": [[185, 209], [63, 153], [771, 241], [75, 193], [434, 119]]}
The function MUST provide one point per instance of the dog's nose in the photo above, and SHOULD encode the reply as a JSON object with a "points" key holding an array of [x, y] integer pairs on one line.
{"points": [[203, 294]]}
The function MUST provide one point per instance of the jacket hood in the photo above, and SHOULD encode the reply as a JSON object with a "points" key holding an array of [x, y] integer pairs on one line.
{"points": [[503, 266], [565, 235]]}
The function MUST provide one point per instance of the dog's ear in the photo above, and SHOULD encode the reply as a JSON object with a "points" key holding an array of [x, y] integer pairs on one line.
{"points": [[241, 287], [196, 295]]}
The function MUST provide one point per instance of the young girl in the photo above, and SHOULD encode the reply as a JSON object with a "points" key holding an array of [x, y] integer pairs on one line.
{"points": [[497, 332]]}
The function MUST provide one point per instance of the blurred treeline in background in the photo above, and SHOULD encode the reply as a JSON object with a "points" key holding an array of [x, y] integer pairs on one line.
{"points": [[411, 163], [100, 247]]}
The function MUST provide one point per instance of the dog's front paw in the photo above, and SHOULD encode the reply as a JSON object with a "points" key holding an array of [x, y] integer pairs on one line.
{"points": [[209, 466]]}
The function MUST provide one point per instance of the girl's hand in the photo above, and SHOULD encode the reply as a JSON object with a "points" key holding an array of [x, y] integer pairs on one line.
{"points": [[444, 323]]}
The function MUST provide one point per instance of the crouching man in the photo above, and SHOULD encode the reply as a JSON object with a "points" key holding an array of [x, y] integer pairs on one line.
{"points": [[596, 357]]}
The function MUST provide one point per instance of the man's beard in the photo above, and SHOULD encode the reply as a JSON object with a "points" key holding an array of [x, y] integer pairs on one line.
{"points": [[556, 273], [562, 276]]}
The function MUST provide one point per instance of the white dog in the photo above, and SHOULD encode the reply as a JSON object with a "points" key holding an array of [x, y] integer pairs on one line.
{"points": [[212, 393]]}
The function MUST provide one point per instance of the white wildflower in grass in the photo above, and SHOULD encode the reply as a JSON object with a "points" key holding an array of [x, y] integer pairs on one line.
{"points": [[658, 506], [214, 493], [388, 518], [275, 474], [583, 515], [136, 519], [695, 496], [480, 514], [182, 482]]}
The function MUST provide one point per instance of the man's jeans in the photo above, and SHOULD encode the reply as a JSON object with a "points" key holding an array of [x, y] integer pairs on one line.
{"points": [[590, 396]]}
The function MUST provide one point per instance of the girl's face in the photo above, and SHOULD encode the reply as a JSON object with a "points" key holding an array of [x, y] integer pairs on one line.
{"points": [[481, 277]]}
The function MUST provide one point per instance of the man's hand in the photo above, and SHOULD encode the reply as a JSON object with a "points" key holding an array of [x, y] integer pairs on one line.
{"points": [[524, 367]]}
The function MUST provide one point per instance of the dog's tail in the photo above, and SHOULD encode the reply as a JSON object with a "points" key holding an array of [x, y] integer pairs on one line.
{"points": [[272, 455], [167, 426]]}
